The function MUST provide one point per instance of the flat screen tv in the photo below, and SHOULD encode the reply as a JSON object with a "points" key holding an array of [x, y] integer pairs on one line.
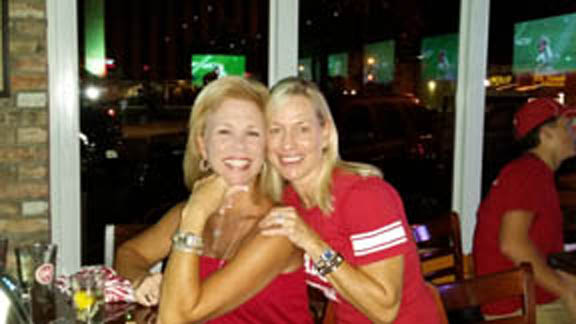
{"points": [[440, 57], [338, 65], [379, 62], [545, 46], [207, 67]]}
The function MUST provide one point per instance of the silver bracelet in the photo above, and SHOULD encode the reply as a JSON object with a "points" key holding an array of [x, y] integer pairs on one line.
{"points": [[187, 242]]}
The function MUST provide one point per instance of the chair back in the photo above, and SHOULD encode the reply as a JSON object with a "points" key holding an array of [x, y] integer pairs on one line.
{"points": [[482, 290], [115, 235], [440, 248]]}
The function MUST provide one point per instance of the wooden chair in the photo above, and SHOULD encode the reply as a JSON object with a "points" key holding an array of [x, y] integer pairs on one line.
{"points": [[471, 293], [440, 248], [115, 235]]}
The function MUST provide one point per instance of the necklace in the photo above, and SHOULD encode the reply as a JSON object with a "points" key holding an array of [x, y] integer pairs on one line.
{"points": [[228, 232]]}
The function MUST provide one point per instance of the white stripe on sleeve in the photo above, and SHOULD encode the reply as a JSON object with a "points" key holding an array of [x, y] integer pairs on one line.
{"points": [[380, 239]]}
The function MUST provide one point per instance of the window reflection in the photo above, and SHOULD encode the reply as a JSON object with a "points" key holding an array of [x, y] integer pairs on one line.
{"points": [[389, 71], [142, 64], [531, 55]]}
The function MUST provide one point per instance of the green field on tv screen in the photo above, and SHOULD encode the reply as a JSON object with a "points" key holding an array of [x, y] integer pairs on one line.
{"points": [[338, 65], [216, 66], [440, 57], [545, 46], [379, 62]]}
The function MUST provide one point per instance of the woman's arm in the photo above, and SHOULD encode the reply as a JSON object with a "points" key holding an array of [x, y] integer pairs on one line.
{"points": [[374, 289], [185, 298], [135, 257]]}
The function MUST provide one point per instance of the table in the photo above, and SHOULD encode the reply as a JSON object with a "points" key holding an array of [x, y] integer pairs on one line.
{"points": [[119, 313], [130, 314], [114, 313]]}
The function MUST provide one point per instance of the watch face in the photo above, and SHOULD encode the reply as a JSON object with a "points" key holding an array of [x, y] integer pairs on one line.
{"points": [[328, 254]]}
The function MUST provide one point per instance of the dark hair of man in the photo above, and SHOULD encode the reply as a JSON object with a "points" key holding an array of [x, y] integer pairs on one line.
{"points": [[532, 139]]}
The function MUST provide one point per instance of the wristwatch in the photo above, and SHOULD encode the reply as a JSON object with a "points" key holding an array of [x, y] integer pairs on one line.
{"points": [[187, 242], [329, 261]]}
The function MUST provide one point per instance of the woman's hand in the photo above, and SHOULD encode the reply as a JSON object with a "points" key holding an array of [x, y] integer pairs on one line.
{"points": [[210, 195], [147, 291], [286, 221], [207, 196]]}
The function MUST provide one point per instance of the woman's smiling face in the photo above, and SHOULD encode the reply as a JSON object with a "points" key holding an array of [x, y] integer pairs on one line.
{"points": [[296, 140], [234, 141]]}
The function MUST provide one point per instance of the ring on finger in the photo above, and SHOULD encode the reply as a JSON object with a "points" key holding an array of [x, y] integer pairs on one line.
{"points": [[280, 217]]}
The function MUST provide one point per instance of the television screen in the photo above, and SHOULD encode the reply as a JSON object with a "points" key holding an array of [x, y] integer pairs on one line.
{"points": [[207, 67], [379, 62], [545, 46], [440, 57], [338, 65], [305, 68]]}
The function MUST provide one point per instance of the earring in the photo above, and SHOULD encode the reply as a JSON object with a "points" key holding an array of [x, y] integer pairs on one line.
{"points": [[204, 165]]}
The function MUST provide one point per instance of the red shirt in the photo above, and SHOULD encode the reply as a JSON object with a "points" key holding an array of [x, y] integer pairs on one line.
{"points": [[524, 184], [368, 225], [284, 300]]}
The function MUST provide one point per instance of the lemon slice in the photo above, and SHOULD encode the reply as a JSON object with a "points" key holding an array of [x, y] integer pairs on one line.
{"points": [[83, 300]]}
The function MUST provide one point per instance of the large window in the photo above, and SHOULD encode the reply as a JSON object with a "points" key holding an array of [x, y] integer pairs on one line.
{"points": [[142, 62], [389, 70], [532, 54]]}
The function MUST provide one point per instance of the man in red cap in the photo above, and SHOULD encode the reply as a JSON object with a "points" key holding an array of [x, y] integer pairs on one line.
{"points": [[520, 219]]}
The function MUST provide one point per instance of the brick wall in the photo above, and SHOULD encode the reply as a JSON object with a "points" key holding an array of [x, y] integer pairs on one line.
{"points": [[24, 152]]}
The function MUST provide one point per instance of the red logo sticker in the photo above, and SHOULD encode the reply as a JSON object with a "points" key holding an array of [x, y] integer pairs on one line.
{"points": [[45, 274]]}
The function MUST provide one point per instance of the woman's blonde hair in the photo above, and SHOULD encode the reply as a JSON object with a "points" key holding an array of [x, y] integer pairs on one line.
{"points": [[210, 99], [321, 195]]}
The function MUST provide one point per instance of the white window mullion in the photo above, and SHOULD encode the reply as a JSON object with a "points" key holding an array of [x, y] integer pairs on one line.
{"points": [[64, 120], [470, 102], [283, 40]]}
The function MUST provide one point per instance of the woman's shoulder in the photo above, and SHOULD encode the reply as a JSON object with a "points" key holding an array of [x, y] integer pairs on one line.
{"points": [[348, 186], [344, 180]]}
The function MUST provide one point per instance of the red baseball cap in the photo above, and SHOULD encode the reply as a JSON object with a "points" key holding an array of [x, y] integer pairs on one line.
{"points": [[535, 112]]}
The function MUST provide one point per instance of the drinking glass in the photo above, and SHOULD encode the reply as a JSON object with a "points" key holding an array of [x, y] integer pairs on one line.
{"points": [[36, 263], [36, 267], [88, 297]]}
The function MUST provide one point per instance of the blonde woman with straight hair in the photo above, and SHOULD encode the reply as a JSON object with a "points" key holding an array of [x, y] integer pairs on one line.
{"points": [[350, 222], [220, 269]]}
